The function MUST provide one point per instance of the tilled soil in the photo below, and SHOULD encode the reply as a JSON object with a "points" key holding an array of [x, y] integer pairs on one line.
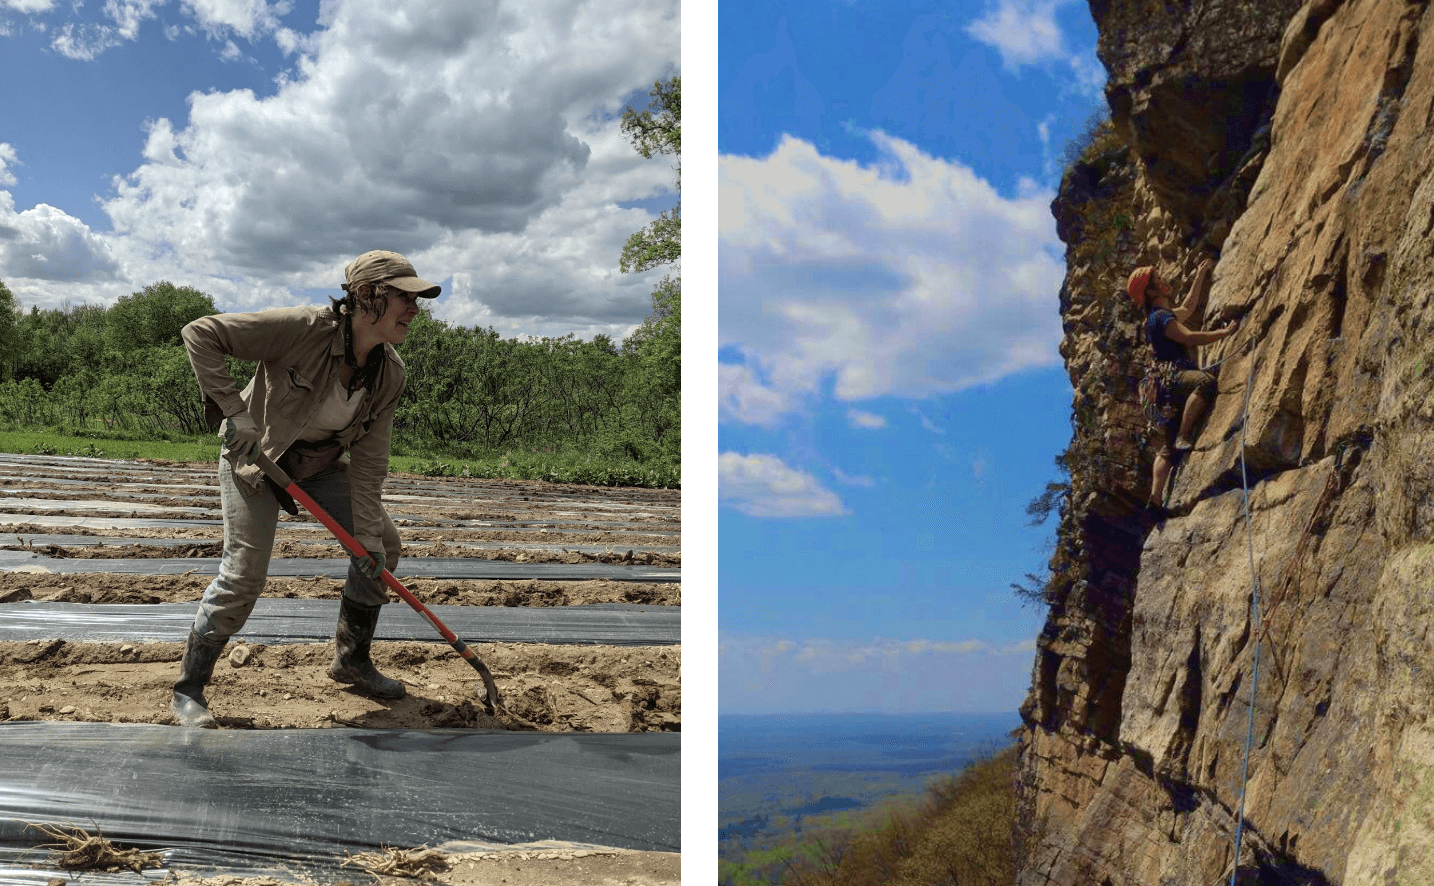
{"points": [[556, 688], [115, 588], [297, 531], [325, 552]]}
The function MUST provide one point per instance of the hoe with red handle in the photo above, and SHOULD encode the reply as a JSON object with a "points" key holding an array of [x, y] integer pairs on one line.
{"points": [[279, 476]]}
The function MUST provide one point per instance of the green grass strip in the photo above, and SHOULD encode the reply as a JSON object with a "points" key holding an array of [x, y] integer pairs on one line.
{"points": [[553, 466], [45, 442]]}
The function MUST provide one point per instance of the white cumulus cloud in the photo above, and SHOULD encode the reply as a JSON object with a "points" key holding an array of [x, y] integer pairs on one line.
{"points": [[480, 139], [44, 243], [744, 398], [909, 277], [246, 18], [765, 486]]}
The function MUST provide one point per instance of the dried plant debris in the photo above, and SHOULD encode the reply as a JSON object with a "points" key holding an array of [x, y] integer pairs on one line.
{"points": [[78, 851], [396, 862]]}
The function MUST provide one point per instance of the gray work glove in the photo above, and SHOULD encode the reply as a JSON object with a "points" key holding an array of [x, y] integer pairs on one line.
{"points": [[241, 439], [372, 564]]}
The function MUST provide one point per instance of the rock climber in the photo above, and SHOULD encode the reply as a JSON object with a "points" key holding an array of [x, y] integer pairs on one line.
{"points": [[1177, 378], [321, 405]]}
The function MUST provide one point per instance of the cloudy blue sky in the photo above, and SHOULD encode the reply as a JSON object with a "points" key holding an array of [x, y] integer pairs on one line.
{"points": [[890, 390], [251, 148]]}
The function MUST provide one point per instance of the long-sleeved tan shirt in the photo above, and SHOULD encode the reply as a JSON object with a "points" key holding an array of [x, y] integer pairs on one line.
{"points": [[300, 352]]}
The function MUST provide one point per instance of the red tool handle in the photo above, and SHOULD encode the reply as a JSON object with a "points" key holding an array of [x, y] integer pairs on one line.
{"points": [[279, 476]]}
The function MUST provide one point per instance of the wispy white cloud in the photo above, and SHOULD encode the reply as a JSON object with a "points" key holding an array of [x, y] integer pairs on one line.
{"points": [[1025, 32], [1089, 73], [8, 158], [927, 423], [868, 420], [827, 655], [761, 674], [765, 486], [29, 7], [850, 480], [910, 276], [87, 40]]}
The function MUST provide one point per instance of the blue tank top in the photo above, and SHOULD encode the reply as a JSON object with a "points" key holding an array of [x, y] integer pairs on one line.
{"points": [[1165, 349]]}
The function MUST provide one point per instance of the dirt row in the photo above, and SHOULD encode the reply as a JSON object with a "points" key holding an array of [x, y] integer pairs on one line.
{"points": [[555, 688], [313, 551], [395, 508], [295, 531], [537, 493], [113, 588], [123, 511]]}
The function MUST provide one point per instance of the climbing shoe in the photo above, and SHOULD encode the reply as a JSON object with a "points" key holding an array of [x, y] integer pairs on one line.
{"points": [[188, 704], [352, 640]]}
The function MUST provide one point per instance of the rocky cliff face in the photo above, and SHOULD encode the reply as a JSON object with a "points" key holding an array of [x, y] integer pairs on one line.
{"points": [[1295, 142]]}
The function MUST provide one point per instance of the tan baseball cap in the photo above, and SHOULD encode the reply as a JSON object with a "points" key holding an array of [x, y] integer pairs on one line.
{"points": [[381, 266]]}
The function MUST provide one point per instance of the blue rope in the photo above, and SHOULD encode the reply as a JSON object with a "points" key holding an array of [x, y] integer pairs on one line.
{"points": [[1254, 626]]}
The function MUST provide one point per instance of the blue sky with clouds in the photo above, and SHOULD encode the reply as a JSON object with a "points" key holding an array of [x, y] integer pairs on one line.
{"points": [[891, 395], [251, 148]]}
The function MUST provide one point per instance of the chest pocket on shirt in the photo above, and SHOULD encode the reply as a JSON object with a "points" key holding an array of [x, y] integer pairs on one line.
{"points": [[294, 387]]}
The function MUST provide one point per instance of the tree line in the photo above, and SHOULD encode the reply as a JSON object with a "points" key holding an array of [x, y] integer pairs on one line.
{"points": [[124, 367]]}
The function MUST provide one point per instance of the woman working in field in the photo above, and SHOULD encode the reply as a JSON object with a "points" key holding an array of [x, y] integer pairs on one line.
{"points": [[321, 404]]}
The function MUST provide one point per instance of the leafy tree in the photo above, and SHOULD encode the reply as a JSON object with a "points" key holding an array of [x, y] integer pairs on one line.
{"points": [[9, 332], [57, 341], [155, 316], [659, 243], [1055, 500], [656, 384]]}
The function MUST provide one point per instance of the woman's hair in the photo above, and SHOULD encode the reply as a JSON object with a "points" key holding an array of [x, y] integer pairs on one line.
{"points": [[371, 298]]}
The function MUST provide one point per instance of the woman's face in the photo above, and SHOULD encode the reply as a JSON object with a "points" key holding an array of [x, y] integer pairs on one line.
{"points": [[1159, 288], [392, 327]]}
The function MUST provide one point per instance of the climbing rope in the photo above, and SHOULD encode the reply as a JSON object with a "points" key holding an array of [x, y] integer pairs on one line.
{"points": [[1254, 628]]}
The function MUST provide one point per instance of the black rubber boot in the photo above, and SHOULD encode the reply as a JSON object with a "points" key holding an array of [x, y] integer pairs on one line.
{"points": [[188, 705], [352, 640]]}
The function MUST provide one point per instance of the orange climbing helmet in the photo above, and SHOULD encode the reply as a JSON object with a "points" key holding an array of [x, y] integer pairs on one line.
{"points": [[1137, 284]]}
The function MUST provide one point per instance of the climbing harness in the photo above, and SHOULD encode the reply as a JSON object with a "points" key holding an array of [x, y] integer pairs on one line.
{"points": [[1156, 402], [1254, 624]]}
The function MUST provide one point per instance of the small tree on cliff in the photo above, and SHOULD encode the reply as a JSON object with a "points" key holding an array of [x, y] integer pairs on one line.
{"points": [[1054, 500]]}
